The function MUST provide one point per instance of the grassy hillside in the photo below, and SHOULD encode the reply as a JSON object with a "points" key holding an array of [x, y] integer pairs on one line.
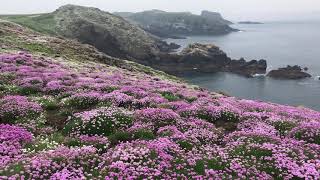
{"points": [[44, 23], [68, 111], [109, 33]]}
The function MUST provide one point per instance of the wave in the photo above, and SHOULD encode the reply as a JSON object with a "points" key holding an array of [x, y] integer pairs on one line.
{"points": [[259, 75]]}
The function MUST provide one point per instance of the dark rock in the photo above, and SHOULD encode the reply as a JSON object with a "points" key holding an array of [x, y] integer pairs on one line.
{"points": [[206, 58], [165, 47], [289, 72], [248, 68]]}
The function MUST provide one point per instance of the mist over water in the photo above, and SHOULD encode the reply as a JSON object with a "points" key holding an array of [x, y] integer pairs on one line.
{"points": [[281, 44]]}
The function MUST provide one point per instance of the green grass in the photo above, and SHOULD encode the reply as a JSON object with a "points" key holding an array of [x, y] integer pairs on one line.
{"points": [[35, 47], [169, 96], [44, 23]]}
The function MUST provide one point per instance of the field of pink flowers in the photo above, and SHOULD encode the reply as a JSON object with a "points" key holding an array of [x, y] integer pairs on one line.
{"points": [[92, 121]]}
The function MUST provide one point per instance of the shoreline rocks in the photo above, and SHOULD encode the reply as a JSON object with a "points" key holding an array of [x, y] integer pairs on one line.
{"points": [[205, 58], [289, 72]]}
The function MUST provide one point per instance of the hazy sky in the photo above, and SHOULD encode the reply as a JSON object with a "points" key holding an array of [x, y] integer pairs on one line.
{"points": [[231, 9]]}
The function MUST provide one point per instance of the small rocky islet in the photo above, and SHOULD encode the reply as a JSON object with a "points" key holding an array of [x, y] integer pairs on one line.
{"points": [[70, 111], [289, 72]]}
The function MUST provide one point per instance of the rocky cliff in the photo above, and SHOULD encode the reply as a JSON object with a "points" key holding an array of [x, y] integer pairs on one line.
{"points": [[170, 24]]}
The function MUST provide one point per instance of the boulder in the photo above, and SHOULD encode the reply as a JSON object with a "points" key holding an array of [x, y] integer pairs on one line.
{"points": [[289, 72]]}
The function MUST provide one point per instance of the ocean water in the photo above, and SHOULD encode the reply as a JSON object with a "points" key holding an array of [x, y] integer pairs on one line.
{"points": [[281, 44]]}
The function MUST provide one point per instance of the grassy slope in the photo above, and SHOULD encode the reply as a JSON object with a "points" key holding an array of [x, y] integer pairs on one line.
{"points": [[44, 23], [16, 38]]}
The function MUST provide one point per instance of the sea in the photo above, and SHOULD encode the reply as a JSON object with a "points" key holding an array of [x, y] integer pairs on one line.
{"points": [[281, 44]]}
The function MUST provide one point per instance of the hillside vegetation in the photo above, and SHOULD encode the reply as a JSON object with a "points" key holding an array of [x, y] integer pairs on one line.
{"points": [[109, 33], [68, 111]]}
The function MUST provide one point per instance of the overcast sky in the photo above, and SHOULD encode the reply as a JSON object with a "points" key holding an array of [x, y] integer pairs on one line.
{"points": [[231, 9]]}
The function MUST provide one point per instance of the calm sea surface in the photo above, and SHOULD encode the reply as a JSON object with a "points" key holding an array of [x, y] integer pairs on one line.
{"points": [[281, 44]]}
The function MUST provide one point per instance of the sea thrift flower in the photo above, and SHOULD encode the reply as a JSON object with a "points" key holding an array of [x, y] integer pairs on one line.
{"points": [[307, 131], [119, 99], [152, 100], [140, 159], [102, 121], [68, 174], [84, 100], [13, 108], [12, 140], [157, 116], [62, 162], [200, 135]]}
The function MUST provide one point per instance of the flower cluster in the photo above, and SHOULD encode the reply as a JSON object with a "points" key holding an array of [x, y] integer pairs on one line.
{"points": [[13, 108], [102, 121], [307, 131], [12, 140], [159, 117], [140, 159], [61, 162]]}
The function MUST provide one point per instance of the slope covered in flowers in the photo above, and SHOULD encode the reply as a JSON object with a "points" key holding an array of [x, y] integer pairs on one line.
{"points": [[88, 120], [63, 119]]}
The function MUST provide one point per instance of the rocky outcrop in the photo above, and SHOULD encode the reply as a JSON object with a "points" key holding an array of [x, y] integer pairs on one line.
{"points": [[206, 58], [289, 72], [247, 68], [214, 18], [107, 32], [168, 24]]}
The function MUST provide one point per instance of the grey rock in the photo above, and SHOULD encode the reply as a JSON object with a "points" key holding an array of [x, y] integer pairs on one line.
{"points": [[206, 58], [289, 72]]}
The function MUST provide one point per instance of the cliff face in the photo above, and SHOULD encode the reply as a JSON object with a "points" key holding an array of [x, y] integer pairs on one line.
{"points": [[109, 33], [167, 24]]}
